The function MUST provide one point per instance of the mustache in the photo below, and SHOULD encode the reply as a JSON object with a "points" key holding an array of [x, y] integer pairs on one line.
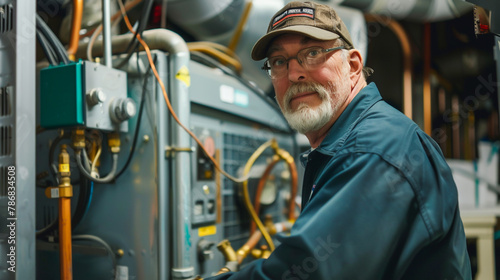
{"points": [[297, 88]]}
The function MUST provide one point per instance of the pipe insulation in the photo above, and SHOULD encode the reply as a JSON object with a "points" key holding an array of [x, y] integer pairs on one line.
{"points": [[415, 10]]}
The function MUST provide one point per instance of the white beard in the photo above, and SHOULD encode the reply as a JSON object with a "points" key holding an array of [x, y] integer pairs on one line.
{"points": [[307, 119]]}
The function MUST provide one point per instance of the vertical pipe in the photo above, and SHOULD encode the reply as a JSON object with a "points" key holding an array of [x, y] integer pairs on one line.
{"points": [[399, 31], [427, 83], [65, 238], [181, 172], [163, 184], [106, 23], [75, 28]]}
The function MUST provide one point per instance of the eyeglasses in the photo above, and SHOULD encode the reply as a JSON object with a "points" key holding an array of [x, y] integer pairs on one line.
{"points": [[309, 58]]}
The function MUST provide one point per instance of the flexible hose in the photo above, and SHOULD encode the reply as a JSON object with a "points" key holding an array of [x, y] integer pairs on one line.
{"points": [[103, 243], [109, 178], [216, 53], [246, 196]]}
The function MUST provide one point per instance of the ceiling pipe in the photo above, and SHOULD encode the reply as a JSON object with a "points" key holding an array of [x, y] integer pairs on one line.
{"points": [[404, 40], [420, 11]]}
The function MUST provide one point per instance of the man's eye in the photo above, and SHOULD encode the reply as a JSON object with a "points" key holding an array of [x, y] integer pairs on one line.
{"points": [[277, 62], [312, 53]]}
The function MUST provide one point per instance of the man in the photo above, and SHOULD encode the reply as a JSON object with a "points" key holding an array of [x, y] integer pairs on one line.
{"points": [[378, 199]]}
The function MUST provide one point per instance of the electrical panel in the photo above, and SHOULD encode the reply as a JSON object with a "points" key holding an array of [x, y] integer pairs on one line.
{"points": [[85, 94]]}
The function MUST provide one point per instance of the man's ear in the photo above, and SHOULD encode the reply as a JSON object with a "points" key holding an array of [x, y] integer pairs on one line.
{"points": [[356, 63]]}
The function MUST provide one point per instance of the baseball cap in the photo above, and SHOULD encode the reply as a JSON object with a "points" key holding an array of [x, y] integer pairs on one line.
{"points": [[310, 19]]}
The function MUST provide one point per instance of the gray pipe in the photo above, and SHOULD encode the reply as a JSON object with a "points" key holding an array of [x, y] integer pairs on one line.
{"points": [[175, 46], [106, 31], [420, 10]]}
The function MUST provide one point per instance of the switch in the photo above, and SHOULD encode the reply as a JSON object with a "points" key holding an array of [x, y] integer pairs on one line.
{"points": [[205, 250], [95, 96], [122, 109]]}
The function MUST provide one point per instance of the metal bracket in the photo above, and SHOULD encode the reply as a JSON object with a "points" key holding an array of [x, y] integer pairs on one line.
{"points": [[170, 151]]}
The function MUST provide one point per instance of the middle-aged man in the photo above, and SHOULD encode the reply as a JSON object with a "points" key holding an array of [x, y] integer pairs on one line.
{"points": [[378, 199]]}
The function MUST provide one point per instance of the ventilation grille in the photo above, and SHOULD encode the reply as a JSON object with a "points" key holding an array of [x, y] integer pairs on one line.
{"points": [[5, 141], [5, 102], [6, 18], [3, 181]]}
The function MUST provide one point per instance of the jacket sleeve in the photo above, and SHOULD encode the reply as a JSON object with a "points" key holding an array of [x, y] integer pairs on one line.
{"points": [[354, 226]]}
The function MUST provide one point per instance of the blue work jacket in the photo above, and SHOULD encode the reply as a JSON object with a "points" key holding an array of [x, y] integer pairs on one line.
{"points": [[378, 202]]}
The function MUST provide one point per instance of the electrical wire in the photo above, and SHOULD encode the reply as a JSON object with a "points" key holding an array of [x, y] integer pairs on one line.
{"points": [[82, 205], [47, 49], [103, 243], [117, 17], [109, 178], [132, 46], [172, 112], [52, 39], [96, 158], [139, 118]]}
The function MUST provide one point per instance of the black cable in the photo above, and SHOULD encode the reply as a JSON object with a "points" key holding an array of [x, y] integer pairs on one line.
{"points": [[52, 39], [47, 49], [138, 123], [134, 43]]}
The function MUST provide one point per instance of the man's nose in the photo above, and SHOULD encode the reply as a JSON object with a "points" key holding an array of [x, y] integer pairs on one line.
{"points": [[296, 71]]}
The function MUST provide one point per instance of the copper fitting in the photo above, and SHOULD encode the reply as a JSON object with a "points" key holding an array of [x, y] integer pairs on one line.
{"points": [[78, 138], [227, 251], [114, 142]]}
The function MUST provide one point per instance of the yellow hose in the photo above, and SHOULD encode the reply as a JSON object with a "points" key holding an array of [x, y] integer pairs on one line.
{"points": [[224, 58], [246, 196], [241, 24]]}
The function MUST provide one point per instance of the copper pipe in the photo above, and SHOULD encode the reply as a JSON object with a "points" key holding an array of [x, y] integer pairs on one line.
{"points": [[243, 252], [427, 83], [260, 187], [65, 193], [294, 182], [398, 30], [65, 238], [75, 28]]}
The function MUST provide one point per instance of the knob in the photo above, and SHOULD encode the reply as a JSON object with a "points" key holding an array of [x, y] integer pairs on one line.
{"points": [[95, 96], [122, 109], [205, 250]]}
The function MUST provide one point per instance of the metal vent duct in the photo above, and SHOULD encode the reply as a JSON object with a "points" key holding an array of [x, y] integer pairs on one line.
{"points": [[216, 21]]}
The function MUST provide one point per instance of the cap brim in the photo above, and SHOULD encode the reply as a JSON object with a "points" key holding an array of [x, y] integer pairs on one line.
{"points": [[259, 50]]}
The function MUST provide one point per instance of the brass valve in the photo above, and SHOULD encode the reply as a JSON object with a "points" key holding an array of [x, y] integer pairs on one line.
{"points": [[114, 142], [78, 138], [65, 189]]}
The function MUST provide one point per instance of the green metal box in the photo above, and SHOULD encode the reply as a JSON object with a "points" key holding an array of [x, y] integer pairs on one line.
{"points": [[61, 97]]}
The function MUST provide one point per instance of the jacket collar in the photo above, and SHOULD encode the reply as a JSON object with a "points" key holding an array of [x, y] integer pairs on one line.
{"points": [[352, 114]]}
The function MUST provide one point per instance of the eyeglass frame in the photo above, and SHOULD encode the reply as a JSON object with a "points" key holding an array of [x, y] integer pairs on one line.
{"points": [[267, 68]]}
